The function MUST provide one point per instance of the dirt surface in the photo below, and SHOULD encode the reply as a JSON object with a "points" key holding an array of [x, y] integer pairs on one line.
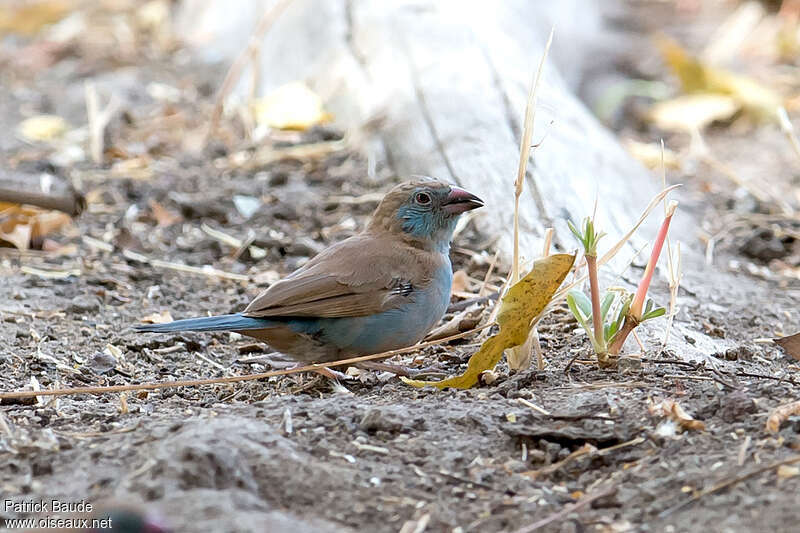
{"points": [[294, 454]]}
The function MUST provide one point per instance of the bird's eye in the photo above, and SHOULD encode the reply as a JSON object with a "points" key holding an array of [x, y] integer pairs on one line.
{"points": [[422, 198]]}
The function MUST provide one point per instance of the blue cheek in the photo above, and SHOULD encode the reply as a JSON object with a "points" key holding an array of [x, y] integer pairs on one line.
{"points": [[416, 223]]}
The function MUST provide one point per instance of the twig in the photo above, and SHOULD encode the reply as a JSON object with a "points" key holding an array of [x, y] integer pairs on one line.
{"points": [[206, 270], [675, 274], [232, 379], [98, 120], [533, 406], [482, 291], [248, 54], [520, 356], [788, 130], [740, 458], [72, 202], [583, 502], [537, 346], [724, 484]]}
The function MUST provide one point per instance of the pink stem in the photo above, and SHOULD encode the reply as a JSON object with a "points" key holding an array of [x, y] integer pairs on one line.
{"points": [[594, 292], [644, 284]]}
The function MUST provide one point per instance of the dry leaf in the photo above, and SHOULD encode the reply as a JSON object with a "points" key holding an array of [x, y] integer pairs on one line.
{"points": [[163, 216], [158, 318], [786, 471], [791, 345], [21, 225], [692, 112], [649, 154], [290, 107], [523, 302], [463, 321], [779, 415], [460, 281], [695, 76], [674, 411], [42, 128], [28, 17]]}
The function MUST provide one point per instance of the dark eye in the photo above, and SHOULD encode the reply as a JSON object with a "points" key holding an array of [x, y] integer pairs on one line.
{"points": [[422, 198]]}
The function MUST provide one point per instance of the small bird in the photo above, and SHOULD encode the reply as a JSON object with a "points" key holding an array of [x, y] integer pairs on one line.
{"points": [[379, 290]]}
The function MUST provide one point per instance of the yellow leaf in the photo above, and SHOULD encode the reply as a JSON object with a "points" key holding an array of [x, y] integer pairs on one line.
{"points": [[20, 225], [673, 410], [692, 112], [42, 127], [164, 317], [27, 18], [290, 107], [780, 414], [696, 76], [650, 154], [523, 302]]}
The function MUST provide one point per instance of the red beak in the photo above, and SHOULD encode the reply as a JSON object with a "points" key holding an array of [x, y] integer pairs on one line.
{"points": [[459, 201]]}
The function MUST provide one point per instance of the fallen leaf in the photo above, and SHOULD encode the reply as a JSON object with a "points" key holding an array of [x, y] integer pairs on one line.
{"points": [[695, 76], [27, 18], [42, 128], [649, 154], [290, 107], [163, 216], [460, 281], [113, 351], [676, 413], [692, 112], [786, 471], [21, 225], [135, 168], [779, 415], [523, 302], [791, 345], [463, 321], [158, 318]]}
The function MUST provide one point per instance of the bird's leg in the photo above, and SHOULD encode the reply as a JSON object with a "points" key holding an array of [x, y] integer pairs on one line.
{"points": [[329, 372], [279, 361], [400, 370]]}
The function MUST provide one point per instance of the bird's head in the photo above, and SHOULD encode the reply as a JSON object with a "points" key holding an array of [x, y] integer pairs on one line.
{"points": [[423, 211]]}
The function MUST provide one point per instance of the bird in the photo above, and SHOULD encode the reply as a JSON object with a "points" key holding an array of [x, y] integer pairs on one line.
{"points": [[382, 289]]}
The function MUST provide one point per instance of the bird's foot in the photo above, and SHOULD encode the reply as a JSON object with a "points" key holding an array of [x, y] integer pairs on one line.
{"points": [[401, 370]]}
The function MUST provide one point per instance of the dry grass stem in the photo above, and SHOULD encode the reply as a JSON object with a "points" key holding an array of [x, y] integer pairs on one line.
{"points": [[524, 153], [98, 120], [519, 357], [245, 56], [533, 406], [788, 130], [232, 379], [204, 271]]}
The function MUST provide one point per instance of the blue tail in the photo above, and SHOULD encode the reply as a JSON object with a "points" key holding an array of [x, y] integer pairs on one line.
{"points": [[236, 322]]}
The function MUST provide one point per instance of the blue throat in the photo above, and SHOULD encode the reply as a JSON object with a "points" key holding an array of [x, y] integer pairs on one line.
{"points": [[423, 224]]}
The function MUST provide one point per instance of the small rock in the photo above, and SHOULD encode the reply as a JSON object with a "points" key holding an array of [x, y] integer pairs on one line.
{"points": [[84, 304], [736, 406], [764, 245], [101, 363], [629, 365]]}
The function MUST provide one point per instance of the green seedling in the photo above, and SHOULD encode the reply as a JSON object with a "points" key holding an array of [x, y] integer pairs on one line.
{"points": [[608, 320]]}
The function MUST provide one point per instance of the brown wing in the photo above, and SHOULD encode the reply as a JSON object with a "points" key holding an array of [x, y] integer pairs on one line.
{"points": [[357, 277]]}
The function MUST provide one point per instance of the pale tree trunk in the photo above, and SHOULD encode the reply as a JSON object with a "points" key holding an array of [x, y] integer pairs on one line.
{"points": [[449, 81]]}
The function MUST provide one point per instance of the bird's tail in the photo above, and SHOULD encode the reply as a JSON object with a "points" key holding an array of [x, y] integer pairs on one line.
{"points": [[237, 322]]}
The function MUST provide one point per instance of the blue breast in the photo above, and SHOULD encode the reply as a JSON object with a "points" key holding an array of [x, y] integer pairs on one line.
{"points": [[392, 329]]}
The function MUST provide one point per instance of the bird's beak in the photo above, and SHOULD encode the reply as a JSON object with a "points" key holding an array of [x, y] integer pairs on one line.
{"points": [[459, 201]]}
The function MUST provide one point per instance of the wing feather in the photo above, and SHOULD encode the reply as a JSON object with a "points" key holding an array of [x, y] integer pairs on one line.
{"points": [[359, 276]]}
